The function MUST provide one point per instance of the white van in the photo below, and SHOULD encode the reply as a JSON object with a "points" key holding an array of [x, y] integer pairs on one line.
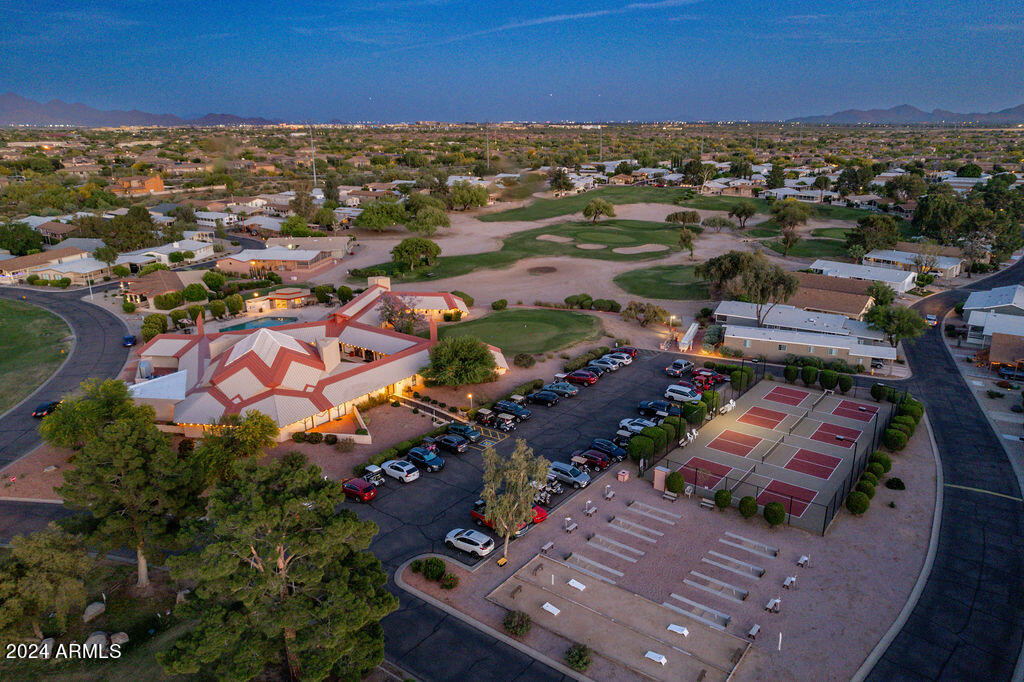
{"points": [[681, 394]]}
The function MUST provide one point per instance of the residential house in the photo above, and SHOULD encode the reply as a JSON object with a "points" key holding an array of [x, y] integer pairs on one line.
{"points": [[211, 218], [137, 185], [143, 290], [261, 225], [281, 299], [17, 269], [335, 247], [294, 263], [80, 271], [901, 281], [945, 266], [54, 232], [621, 179], [820, 293]]}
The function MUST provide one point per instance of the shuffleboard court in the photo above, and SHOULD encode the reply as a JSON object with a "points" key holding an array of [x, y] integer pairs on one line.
{"points": [[834, 434], [852, 410], [813, 463], [786, 395], [701, 472], [735, 443], [759, 416], [794, 498]]}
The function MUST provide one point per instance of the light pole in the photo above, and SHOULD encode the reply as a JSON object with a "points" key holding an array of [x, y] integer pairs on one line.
{"points": [[470, 396]]}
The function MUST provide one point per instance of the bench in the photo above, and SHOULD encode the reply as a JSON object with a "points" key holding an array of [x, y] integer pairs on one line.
{"points": [[609, 494], [671, 497], [705, 503], [570, 528], [789, 582], [547, 548], [773, 605], [804, 561], [589, 509], [516, 591], [752, 633]]}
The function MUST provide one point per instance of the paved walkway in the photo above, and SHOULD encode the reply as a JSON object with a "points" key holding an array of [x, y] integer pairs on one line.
{"points": [[969, 621]]}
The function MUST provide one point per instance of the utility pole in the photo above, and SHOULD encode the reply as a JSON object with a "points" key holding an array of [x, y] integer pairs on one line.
{"points": [[312, 155], [487, 145], [600, 148]]}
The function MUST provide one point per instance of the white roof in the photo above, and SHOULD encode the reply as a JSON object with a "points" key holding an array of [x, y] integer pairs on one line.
{"points": [[907, 258], [789, 317], [786, 336], [265, 344], [854, 271], [275, 253], [81, 266], [998, 323], [168, 387], [165, 347], [264, 221], [994, 298]]}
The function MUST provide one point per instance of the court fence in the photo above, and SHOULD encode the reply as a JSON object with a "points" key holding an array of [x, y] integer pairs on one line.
{"points": [[815, 517]]}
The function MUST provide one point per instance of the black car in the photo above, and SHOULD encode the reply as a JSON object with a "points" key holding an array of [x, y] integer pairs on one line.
{"points": [[609, 448], [546, 398], [425, 459], [509, 407], [451, 443], [596, 370], [658, 408], [466, 431], [45, 409]]}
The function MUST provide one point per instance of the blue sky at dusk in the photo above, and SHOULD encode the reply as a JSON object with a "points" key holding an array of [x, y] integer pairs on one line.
{"points": [[460, 60]]}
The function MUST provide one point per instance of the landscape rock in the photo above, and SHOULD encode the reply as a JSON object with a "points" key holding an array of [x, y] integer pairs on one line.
{"points": [[98, 637], [93, 610], [47, 647], [180, 599], [119, 638]]}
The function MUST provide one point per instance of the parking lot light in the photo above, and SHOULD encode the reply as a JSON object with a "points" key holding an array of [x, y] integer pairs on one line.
{"points": [[470, 396]]}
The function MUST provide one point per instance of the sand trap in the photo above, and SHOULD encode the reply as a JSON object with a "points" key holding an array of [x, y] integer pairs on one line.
{"points": [[553, 238], [542, 270], [643, 248], [591, 247]]}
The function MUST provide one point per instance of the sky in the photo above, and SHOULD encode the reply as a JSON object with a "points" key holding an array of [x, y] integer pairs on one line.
{"points": [[477, 60]]}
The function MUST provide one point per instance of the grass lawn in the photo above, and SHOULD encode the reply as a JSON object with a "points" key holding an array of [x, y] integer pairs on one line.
{"points": [[32, 339], [766, 229], [611, 233], [831, 232], [675, 282], [528, 330], [812, 248], [550, 208]]}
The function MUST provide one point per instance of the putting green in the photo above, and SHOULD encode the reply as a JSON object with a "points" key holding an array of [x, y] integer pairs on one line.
{"points": [[529, 330], [674, 282]]}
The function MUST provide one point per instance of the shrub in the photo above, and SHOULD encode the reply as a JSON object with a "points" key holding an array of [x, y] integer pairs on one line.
{"points": [[194, 292], [449, 581], [657, 435], [500, 304], [906, 420], [299, 437], [774, 513], [675, 482], [879, 391], [128, 307], [695, 413], [330, 439], [416, 565], [828, 379], [32, 279], [465, 297], [723, 499], [712, 399], [791, 373], [738, 380], [857, 502], [894, 439], [345, 445], [867, 488], [577, 657], [640, 447], [876, 469], [433, 568], [879, 457], [671, 431], [524, 360], [808, 375], [314, 437], [748, 506], [869, 477], [895, 484], [995, 394], [171, 299], [63, 283], [845, 383], [908, 430], [517, 623]]}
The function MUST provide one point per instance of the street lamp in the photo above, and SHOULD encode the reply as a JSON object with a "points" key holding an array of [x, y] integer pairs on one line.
{"points": [[470, 396]]}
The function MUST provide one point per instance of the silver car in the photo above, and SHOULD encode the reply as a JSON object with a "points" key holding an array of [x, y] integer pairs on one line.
{"points": [[621, 358], [470, 541], [569, 474], [607, 363]]}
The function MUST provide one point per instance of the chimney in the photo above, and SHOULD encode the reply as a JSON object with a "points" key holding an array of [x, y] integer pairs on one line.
{"points": [[379, 281], [199, 324], [330, 353], [433, 328]]}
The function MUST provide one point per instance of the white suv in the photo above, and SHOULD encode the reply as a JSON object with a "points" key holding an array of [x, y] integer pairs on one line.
{"points": [[404, 471], [681, 394], [471, 541], [607, 363], [621, 358]]}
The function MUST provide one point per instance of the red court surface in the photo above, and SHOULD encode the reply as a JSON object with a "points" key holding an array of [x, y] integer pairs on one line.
{"points": [[759, 416], [735, 443], [710, 472], [813, 463], [794, 498], [786, 395], [826, 433], [852, 410]]}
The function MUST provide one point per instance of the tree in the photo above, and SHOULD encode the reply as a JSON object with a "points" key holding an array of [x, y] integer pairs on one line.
{"points": [[105, 254], [218, 308], [875, 231], [856, 252], [896, 322], [381, 214], [235, 437], [194, 292], [325, 217], [214, 280], [415, 250], [284, 577], [970, 170], [624, 168], [510, 485], [905, 187], [686, 238], [153, 324], [295, 226], [644, 313], [45, 574], [740, 168], [332, 183], [683, 217], [427, 219], [398, 312], [559, 180], [742, 212], [790, 213], [765, 284], [822, 183], [776, 177], [789, 239], [138, 491], [234, 303], [881, 293], [974, 248], [20, 239], [926, 256], [302, 205], [459, 360], [720, 270], [717, 222], [121, 271], [467, 195], [596, 208], [82, 419]]}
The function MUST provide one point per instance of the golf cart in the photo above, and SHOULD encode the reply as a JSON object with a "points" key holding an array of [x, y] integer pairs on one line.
{"points": [[374, 474]]}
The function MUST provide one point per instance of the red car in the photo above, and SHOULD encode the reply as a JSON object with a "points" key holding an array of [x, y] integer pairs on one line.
{"points": [[631, 351], [716, 377], [581, 377], [359, 489], [594, 458], [479, 515]]}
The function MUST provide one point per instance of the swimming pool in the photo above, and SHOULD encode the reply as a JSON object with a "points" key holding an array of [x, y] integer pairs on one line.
{"points": [[261, 322]]}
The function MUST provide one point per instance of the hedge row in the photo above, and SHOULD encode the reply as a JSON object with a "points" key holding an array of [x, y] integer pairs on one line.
{"points": [[584, 359], [587, 302], [839, 366], [828, 379]]}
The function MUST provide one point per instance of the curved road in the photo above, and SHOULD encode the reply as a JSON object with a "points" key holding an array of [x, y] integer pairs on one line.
{"points": [[969, 621]]}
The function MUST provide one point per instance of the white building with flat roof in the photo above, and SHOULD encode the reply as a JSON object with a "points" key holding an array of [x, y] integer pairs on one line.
{"points": [[901, 281]]}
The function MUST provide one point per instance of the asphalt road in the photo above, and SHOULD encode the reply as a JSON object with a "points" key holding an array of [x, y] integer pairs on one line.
{"points": [[969, 621], [97, 352]]}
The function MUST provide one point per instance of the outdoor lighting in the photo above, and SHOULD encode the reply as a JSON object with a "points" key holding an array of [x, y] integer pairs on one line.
{"points": [[470, 396]]}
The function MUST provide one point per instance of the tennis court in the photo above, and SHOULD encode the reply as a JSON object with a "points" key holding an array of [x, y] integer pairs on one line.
{"points": [[833, 434], [765, 418], [851, 410], [786, 395], [813, 463], [735, 443], [794, 498], [701, 472]]}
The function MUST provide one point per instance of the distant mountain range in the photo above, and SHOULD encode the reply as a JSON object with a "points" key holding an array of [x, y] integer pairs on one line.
{"points": [[18, 110], [905, 114]]}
